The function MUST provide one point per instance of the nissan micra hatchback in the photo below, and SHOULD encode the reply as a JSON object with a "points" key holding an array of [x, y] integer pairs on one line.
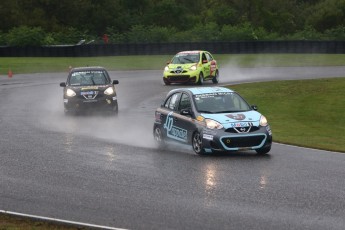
{"points": [[195, 66], [89, 88], [211, 119]]}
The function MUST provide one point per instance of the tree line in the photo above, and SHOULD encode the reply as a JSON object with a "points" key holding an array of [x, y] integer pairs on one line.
{"points": [[51, 22]]}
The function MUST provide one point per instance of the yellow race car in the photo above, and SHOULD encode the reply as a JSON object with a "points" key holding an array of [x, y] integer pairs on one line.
{"points": [[194, 66]]}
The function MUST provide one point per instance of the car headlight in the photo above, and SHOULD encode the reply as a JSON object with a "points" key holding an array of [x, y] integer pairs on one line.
{"points": [[166, 68], [109, 91], [193, 67], [263, 121], [212, 124], [70, 93]]}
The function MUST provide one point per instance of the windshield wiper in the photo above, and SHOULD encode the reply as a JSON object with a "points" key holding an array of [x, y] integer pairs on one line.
{"points": [[229, 111], [191, 61]]}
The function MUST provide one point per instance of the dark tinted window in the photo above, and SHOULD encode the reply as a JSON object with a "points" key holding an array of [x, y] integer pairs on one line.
{"points": [[172, 101], [209, 57], [184, 102], [204, 57]]}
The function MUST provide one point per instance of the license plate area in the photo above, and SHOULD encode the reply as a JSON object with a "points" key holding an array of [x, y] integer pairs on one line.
{"points": [[89, 95]]}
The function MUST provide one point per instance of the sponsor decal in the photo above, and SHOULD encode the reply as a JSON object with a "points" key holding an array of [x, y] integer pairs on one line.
{"points": [[207, 136], [210, 131], [89, 87], [88, 93], [86, 72], [238, 117], [114, 98], [207, 95], [88, 101], [213, 67], [241, 124], [65, 101], [174, 132]]}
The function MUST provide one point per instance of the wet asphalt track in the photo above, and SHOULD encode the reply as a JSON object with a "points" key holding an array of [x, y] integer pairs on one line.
{"points": [[106, 171]]}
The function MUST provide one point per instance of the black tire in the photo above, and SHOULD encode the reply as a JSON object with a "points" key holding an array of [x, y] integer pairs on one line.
{"points": [[263, 151], [201, 79], [215, 79], [166, 82], [197, 143], [115, 109], [158, 136]]}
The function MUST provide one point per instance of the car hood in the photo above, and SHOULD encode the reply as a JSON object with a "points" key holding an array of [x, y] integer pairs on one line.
{"points": [[184, 66], [229, 119]]}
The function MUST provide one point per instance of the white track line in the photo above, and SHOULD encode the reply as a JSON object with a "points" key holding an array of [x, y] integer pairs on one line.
{"points": [[319, 150], [60, 220]]}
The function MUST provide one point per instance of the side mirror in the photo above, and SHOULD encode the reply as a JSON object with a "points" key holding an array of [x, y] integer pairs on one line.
{"points": [[186, 112], [254, 107], [168, 62], [63, 84], [115, 82], [162, 104], [204, 61]]}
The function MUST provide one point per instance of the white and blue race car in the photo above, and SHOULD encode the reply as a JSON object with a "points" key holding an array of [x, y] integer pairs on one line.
{"points": [[211, 119]]}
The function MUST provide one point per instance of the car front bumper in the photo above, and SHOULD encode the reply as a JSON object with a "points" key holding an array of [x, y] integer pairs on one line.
{"points": [[184, 77], [223, 141], [108, 103]]}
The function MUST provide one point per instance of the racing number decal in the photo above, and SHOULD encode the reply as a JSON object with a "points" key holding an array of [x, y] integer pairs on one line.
{"points": [[174, 132]]}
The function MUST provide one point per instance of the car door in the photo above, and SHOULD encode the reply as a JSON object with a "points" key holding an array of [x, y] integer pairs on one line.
{"points": [[183, 118], [205, 65], [166, 113]]}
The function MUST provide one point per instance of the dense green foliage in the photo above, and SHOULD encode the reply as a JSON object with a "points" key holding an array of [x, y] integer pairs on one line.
{"points": [[65, 21]]}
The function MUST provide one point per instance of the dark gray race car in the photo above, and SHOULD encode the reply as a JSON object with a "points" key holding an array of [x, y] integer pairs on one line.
{"points": [[89, 89]]}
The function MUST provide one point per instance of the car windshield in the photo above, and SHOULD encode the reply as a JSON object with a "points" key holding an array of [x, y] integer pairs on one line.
{"points": [[88, 78], [184, 58], [223, 102]]}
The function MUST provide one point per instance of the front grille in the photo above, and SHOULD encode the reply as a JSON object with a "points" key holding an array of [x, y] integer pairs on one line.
{"points": [[178, 71], [246, 141], [90, 95], [247, 129], [180, 78]]}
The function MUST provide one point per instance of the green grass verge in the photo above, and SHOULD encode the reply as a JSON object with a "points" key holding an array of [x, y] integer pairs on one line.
{"points": [[157, 62], [10, 222], [305, 113]]}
